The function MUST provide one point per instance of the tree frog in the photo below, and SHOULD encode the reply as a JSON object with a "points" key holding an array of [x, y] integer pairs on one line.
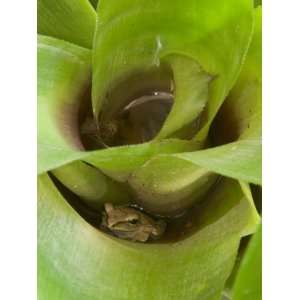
{"points": [[131, 224]]}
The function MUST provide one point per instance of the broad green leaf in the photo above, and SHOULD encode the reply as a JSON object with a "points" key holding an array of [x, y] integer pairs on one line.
{"points": [[120, 162], [135, 36], [63, 76], [248, 283], [76, 261], [169, 183], [240, 160], [70, 20], [93, 187]]}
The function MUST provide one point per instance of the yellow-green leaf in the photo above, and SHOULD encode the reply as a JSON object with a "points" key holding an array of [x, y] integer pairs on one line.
{"points": [[70, 20]]}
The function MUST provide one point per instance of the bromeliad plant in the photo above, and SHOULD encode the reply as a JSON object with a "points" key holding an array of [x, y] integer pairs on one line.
{"points": [[149, 137]]}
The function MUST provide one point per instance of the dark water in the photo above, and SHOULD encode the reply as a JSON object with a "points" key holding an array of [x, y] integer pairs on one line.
{"points": [[133, 112], [139, 121]]}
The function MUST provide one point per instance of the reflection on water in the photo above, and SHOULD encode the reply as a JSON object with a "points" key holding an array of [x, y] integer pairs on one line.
{"points": [[139, 121]]}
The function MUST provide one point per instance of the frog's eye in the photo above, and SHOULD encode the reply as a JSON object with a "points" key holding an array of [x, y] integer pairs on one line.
{"points": [[134, 221]]}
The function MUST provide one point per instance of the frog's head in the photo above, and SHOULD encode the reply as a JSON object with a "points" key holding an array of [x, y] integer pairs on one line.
{"points": [[122, 218], [129, 223]]}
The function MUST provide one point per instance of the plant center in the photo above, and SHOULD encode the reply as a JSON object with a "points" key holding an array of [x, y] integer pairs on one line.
{"points": [[134, 111], [139, 121]]}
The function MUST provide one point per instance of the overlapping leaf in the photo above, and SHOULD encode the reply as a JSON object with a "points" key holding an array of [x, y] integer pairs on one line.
{"points": [[91, 185], [63, 76], [240, 159], [209, 34], [76, 261]]}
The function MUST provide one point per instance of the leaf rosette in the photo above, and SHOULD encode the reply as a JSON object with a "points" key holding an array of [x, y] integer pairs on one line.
{"points": [[156, 104]]}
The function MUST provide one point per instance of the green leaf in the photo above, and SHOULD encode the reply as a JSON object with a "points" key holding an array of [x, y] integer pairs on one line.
{"points": [[241, 112], [167, 185], [245, 187], [239, 160], [120, 162], [191, 94], [70, 20], [93, 187], [135, 36], [76, 261], [63, 76], [248, 283], [243, 104]]}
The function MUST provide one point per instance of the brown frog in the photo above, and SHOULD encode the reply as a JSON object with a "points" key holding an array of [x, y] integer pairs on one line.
{"points": [[131, 224]]}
